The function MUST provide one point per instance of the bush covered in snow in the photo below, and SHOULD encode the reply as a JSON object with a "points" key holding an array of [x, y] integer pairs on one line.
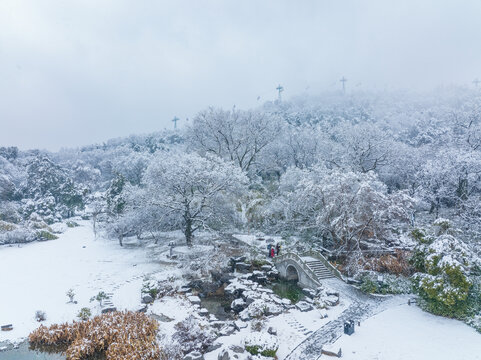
{"points": [[121, 335], [446, 284], [17, 236], [260, 343], [193, 334], [375, 283]]}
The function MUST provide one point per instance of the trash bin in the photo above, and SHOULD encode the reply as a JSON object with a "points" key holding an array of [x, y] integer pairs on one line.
{"points": [[349, 327]]}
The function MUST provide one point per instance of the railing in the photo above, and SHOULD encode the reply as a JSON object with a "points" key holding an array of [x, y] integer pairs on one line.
{"points": [[321, 258], [300, 262]]}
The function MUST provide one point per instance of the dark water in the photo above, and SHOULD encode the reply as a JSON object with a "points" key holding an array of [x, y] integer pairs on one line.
{"points": [[27, 352], [217, 306], [287, 289], [24, 352]]}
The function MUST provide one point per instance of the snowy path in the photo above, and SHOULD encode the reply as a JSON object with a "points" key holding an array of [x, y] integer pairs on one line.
{"points": [[361, 306], [36, 277]]}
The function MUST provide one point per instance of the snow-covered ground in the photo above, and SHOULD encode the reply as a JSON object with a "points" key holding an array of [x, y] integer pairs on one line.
{"points": [[407, 332], [37, 276]]}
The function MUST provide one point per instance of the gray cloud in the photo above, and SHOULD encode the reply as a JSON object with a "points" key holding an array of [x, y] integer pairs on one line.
{"points": [[74, 73]]}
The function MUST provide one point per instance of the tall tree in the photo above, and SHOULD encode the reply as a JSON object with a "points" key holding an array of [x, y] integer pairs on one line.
{"points": [[189, 188]]}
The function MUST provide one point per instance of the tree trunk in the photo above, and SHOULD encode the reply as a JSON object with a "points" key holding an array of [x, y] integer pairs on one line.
{"points": [[188, 232], [94, 218], [121, 239]]}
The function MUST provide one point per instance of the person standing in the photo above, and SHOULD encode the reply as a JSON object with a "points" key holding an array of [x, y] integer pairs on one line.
{"points": [[272, 252], [278, 249]]}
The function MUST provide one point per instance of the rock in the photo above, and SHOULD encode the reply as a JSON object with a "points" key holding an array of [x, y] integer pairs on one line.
{"points": [[240, 324], [204, 312], [331, 300], [309, 292], [196, 284], [183, 290], [161, 317], [266, 267], [250, 296], [221, 277], [147, 299], [286, 301], [258, 277], [240, 259], [217, 324], [142, 309], [109, 309], [237, 349], [194, 299], [235, 289], [224, 355], [272, 330], [267, 291], [244, 316], [273, 275], [213, 347], [242, 267], [259, 308], [238, 305], [304, 306], [194, 355], [227, 330]]}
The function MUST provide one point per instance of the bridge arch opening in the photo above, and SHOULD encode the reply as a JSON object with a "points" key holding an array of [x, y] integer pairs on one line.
{"points": [[291, 273]]}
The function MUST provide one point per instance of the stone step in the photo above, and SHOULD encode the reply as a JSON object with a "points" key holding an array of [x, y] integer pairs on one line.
{"points": [[319, 269]]}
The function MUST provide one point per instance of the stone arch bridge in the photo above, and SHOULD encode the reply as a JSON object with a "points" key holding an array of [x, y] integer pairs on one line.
{"points": [[309, 268]]}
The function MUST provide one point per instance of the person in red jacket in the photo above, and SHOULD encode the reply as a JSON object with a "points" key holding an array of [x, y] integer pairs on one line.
{"points": [[273, 251]]}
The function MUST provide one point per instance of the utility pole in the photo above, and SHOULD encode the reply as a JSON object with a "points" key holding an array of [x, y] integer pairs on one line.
{"points": [[476, 82], [174, 120], [280, 89], [343, 80]]}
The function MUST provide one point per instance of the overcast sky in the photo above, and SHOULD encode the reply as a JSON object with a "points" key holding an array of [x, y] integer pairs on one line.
{"points": [[80, 72]]}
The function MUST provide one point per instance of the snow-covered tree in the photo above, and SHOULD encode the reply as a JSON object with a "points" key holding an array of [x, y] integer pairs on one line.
{"points": [[191, 189], [346, 209], [237, 136], [50, 186]]}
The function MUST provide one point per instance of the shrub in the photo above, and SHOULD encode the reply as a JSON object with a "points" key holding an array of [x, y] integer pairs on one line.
{"points": [[445, 287], [84, 313], [257, 263], [45, 235], [121, 335], [40, 315], [151, 288], [420, 236], [72, 224], [393, 264], [446, 292], [261, 344], [101, 296], [369, 286], [5, 226], [391, 284], [71, 294], [193, 335]]}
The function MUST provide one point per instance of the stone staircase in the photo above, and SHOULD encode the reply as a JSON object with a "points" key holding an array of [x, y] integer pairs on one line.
{"points": [[321, 271], [107, 304]]}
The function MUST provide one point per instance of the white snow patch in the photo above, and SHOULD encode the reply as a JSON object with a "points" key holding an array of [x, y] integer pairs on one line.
{"points": [[406, 332]]}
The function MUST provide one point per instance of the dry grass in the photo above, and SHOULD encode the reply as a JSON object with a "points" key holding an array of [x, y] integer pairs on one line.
{"points": [[397, 264], [121, 335]]}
